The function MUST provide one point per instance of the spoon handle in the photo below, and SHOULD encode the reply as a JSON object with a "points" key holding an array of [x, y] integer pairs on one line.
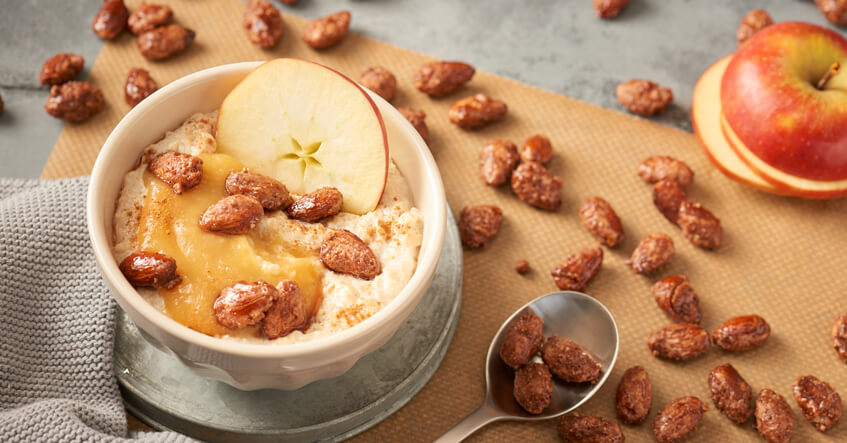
{"points": [[477, 419]]}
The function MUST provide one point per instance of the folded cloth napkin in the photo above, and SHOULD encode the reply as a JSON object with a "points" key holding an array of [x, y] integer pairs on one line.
{"points": [[57, 330]]}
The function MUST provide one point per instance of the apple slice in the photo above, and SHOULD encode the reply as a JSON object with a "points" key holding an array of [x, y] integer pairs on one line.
{"points": [[307, 126], [801, 187], [706, 116]]}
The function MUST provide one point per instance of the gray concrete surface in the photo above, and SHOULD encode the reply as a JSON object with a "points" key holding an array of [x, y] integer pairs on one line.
{"points": [[558, 45]]}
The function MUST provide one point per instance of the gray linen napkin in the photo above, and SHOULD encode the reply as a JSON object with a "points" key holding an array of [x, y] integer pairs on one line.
{"points": [[57, 324]]}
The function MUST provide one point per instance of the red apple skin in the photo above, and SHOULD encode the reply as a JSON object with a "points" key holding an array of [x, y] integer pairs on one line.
{"points": [[769, 99]]}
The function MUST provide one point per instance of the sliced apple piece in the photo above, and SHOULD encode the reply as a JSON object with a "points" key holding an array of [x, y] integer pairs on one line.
{"points": [[705, 117], [307, 126], [801, 187]]}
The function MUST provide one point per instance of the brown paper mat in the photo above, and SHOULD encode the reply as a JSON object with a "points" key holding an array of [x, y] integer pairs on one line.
{"points": [[782, 258]]}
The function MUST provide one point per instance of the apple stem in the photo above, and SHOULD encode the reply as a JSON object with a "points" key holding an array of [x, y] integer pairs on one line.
{"points": [[834, 69]]}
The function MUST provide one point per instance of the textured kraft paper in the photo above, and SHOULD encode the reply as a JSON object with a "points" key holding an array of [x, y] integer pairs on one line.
{"points": [[782, 258]]}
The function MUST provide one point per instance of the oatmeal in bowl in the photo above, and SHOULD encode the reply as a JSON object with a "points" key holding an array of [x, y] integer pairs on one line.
{"points": [[265, 266]]}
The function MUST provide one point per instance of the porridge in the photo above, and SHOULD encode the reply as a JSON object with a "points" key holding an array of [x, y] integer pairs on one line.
{"points": [[156, 215]]}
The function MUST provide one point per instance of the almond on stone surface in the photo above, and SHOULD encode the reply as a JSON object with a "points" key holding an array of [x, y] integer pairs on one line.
{"points": [[60, 68], [74, 101], [644, 97], [327, 31], [345, 253], [753, 22]]}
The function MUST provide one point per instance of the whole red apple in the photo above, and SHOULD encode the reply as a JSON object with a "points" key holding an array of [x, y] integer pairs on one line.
{"points": [[771, 101]]}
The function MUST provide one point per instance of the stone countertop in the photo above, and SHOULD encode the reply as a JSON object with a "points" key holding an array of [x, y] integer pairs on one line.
{"points": [[552, 44]]}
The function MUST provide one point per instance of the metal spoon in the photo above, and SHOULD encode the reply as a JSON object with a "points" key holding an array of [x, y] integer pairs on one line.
{"points": [[567, 314]]}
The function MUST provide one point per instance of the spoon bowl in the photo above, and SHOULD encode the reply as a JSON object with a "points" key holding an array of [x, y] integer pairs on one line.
{"points": [[570, 314]]}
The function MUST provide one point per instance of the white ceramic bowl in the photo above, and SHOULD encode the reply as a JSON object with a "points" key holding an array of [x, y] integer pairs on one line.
{"points": [[254, 366]]}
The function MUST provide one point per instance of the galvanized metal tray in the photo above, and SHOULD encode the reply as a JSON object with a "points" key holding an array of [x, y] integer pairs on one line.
{"points": [[164, 394]]}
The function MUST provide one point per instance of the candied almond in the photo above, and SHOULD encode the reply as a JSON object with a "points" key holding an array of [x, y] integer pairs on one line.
{"points": [[149, 16], [820, 404], [442, 78], [345, 253], [609, 8], [316, 205], [418, 120], [753, 22], [181, 171], [834, 10], [327, 31], [522, 267], [287, 313], [699, 225], [533, 387], [660, 167], [774, 420], [110, 20], [601, 221], [164, 41], [150, 269], [232, 215], [497, 161], [139, 85], [569, 361], [535, 185], [668, 197], [578, 269], [731, 393], [742, 333], [476, 111], [677, 298], [74, 101], [537, 149], [654, 251], [60, 68], [523, 340], [269, 192], [479, 224], [839, 337], [644, 97], [243, 304], [634, 396], [263, 23], [379, 80], [680, 341], [577, 428], [678, 419]]}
